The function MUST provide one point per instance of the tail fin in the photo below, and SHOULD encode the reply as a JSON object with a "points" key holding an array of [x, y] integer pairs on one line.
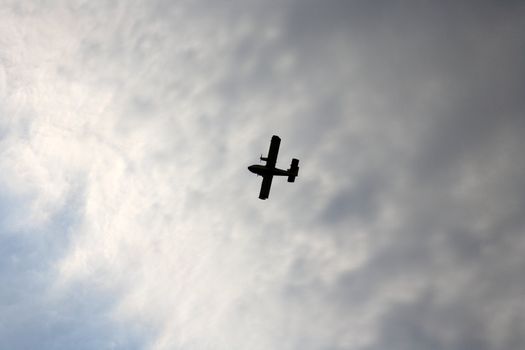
{"points": [[294, 170]]}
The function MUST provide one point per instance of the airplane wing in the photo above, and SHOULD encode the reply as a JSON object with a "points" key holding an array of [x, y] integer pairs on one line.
{"points": [[265, 186], [273, 151]]}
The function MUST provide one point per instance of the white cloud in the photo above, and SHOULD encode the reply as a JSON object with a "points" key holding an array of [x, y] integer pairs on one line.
{"points": [[126, 132]]}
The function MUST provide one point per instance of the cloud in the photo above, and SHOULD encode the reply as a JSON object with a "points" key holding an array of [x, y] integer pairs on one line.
{"points": [[126, 200]]}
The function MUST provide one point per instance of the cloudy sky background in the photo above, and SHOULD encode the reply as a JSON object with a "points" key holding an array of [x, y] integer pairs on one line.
{"points": [[128, 219]]}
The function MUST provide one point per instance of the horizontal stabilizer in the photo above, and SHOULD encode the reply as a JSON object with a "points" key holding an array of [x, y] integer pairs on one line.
{"points": [[294, 170]]}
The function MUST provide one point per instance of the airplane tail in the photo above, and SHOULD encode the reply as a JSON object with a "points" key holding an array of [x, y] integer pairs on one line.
{"points": [[294, 170]]}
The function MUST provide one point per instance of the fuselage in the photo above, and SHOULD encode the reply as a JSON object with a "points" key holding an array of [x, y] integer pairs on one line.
{"points": [[264, 170]]}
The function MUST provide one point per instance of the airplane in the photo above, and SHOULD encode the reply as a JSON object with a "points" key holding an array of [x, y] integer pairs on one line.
{"points": [[269, 170]]}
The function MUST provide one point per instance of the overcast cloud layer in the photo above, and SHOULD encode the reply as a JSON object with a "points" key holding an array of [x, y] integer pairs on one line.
{"points": [[128, 219]]}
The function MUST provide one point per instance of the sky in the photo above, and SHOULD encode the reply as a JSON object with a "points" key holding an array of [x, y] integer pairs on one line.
{"points": [[129, 220]]}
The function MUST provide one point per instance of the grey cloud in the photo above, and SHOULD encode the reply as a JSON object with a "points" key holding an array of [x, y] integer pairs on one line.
{"points": [[361, 202], [407, 118], [460, 324], [472, 121]]}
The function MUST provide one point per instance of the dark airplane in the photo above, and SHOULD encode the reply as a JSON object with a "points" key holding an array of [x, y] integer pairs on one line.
{"points": [[269, 170]]}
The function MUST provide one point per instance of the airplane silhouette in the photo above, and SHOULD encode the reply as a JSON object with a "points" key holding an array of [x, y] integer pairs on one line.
{"points": [[269, 170]]}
